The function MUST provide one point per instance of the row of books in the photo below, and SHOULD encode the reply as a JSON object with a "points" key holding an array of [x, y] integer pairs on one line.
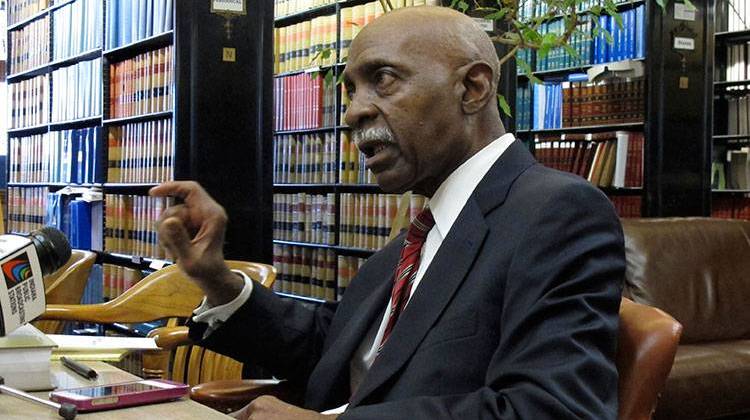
{"points": [[738, 114], [628, 41], [305, 217], [734, 173], [29, 46], [305, 271], [522, 113], [528, 9], [353, 19], [738, 15], [547, 106], [610, 101], [79, 218], [26, 208], [366, 219], [116, 279], [132, 20], [283, 8], [605, 159], [29, 102], [352, 168], [305, 158], [303, 101], [68, 156], [299, 46], [141, 152], [580, 41], [731, 207], [627, 205], [77, 91], [130, 224], [738, 63], [524, 55], [87, 18], [346, 268], [142, 84], [19, 10]]}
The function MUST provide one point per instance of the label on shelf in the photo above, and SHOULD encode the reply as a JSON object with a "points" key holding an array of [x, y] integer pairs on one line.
{"points": [[683, 43], [684, 12], [485, 24]]}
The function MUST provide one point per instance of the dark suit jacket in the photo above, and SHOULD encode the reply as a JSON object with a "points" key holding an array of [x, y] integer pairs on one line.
{"points": [[516, 317]]}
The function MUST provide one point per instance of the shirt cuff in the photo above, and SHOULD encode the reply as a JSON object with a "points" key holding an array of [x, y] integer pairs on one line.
{"points": [[338, 410], [214, 316]]}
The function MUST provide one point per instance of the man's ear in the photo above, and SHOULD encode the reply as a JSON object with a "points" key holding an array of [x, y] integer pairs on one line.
{"points": [[477, 83]]}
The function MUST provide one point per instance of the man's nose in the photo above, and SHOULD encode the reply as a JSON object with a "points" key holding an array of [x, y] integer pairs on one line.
{"points": [[360, 110]]}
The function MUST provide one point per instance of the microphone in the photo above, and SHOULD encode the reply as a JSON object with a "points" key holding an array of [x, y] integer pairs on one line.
{"points": [[24, 261]]}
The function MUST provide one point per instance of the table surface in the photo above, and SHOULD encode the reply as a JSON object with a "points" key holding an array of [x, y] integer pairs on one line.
{"points": [[12, 408]]}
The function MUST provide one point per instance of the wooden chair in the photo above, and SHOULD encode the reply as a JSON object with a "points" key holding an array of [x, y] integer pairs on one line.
{"points": [[166, 293], [647, 345], [66, 285], [648, 339]]}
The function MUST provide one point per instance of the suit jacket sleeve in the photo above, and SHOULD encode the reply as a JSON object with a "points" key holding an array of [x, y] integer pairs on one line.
{"points": [[555, 358], [282, 335]]}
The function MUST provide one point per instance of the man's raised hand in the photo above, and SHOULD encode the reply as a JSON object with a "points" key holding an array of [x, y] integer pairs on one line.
{"points": [[193, 233]]}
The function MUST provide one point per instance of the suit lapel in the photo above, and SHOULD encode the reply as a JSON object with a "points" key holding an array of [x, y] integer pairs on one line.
{"points": [[329, 380], [447, 271]]}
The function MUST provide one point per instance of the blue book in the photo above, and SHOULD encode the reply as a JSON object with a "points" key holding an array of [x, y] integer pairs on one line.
{"points": [[124, 23], [111, 24], [630, 32], [66, 155], [80, 229], [640, 33], [79, 139]]}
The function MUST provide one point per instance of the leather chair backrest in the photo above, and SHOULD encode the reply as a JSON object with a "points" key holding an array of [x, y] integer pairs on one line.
{"points": [[695, 269], [647, 344]]}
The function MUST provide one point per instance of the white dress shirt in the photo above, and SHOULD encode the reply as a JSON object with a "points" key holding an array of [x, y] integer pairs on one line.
{"points": [[445, 204]]}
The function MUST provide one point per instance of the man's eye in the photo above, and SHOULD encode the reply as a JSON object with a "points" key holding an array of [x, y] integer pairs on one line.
{"points": [[349, 91], [383, 79]]}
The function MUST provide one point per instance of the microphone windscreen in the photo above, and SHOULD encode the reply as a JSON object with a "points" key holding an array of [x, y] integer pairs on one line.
{"points": [[52, 247]]}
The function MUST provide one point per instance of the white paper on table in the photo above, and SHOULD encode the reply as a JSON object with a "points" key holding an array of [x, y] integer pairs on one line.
{"points": [[101, 343]]}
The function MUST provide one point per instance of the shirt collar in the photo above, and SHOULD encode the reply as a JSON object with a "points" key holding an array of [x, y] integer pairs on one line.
{"points": [[451, 196]]}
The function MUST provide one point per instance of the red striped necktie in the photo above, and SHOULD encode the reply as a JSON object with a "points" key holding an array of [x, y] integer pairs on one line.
{"points": [[408, 265]]}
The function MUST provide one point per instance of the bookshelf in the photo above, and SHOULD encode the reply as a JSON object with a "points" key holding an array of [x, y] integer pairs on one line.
{"points": [[146, 91], [730, 136], [329, 214], [639, 85]]}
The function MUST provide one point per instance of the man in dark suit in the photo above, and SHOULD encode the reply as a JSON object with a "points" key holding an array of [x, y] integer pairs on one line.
{"points": [[501, 301]]}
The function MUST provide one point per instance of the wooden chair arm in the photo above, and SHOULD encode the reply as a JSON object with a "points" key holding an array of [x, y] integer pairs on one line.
{"points": [[169, 338], [233, 394]]}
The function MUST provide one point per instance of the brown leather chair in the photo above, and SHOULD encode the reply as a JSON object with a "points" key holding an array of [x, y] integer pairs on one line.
{"points": [[647, 344], [697, 270]]}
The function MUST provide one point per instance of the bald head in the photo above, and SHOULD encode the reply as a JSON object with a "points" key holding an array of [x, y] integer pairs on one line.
{"points": [[422, 84], [437, 31]]}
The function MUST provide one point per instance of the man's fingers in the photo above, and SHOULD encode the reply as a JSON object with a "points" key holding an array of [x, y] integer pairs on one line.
{"points": [[175, 238], [186, 190]]}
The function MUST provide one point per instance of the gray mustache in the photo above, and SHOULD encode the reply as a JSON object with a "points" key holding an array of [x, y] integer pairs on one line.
{"points": [[382, 134]]}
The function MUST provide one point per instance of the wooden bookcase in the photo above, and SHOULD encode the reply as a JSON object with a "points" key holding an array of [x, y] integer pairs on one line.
{"points": [[730, 196], [300, 270], [676, 119], [219, 112]]}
